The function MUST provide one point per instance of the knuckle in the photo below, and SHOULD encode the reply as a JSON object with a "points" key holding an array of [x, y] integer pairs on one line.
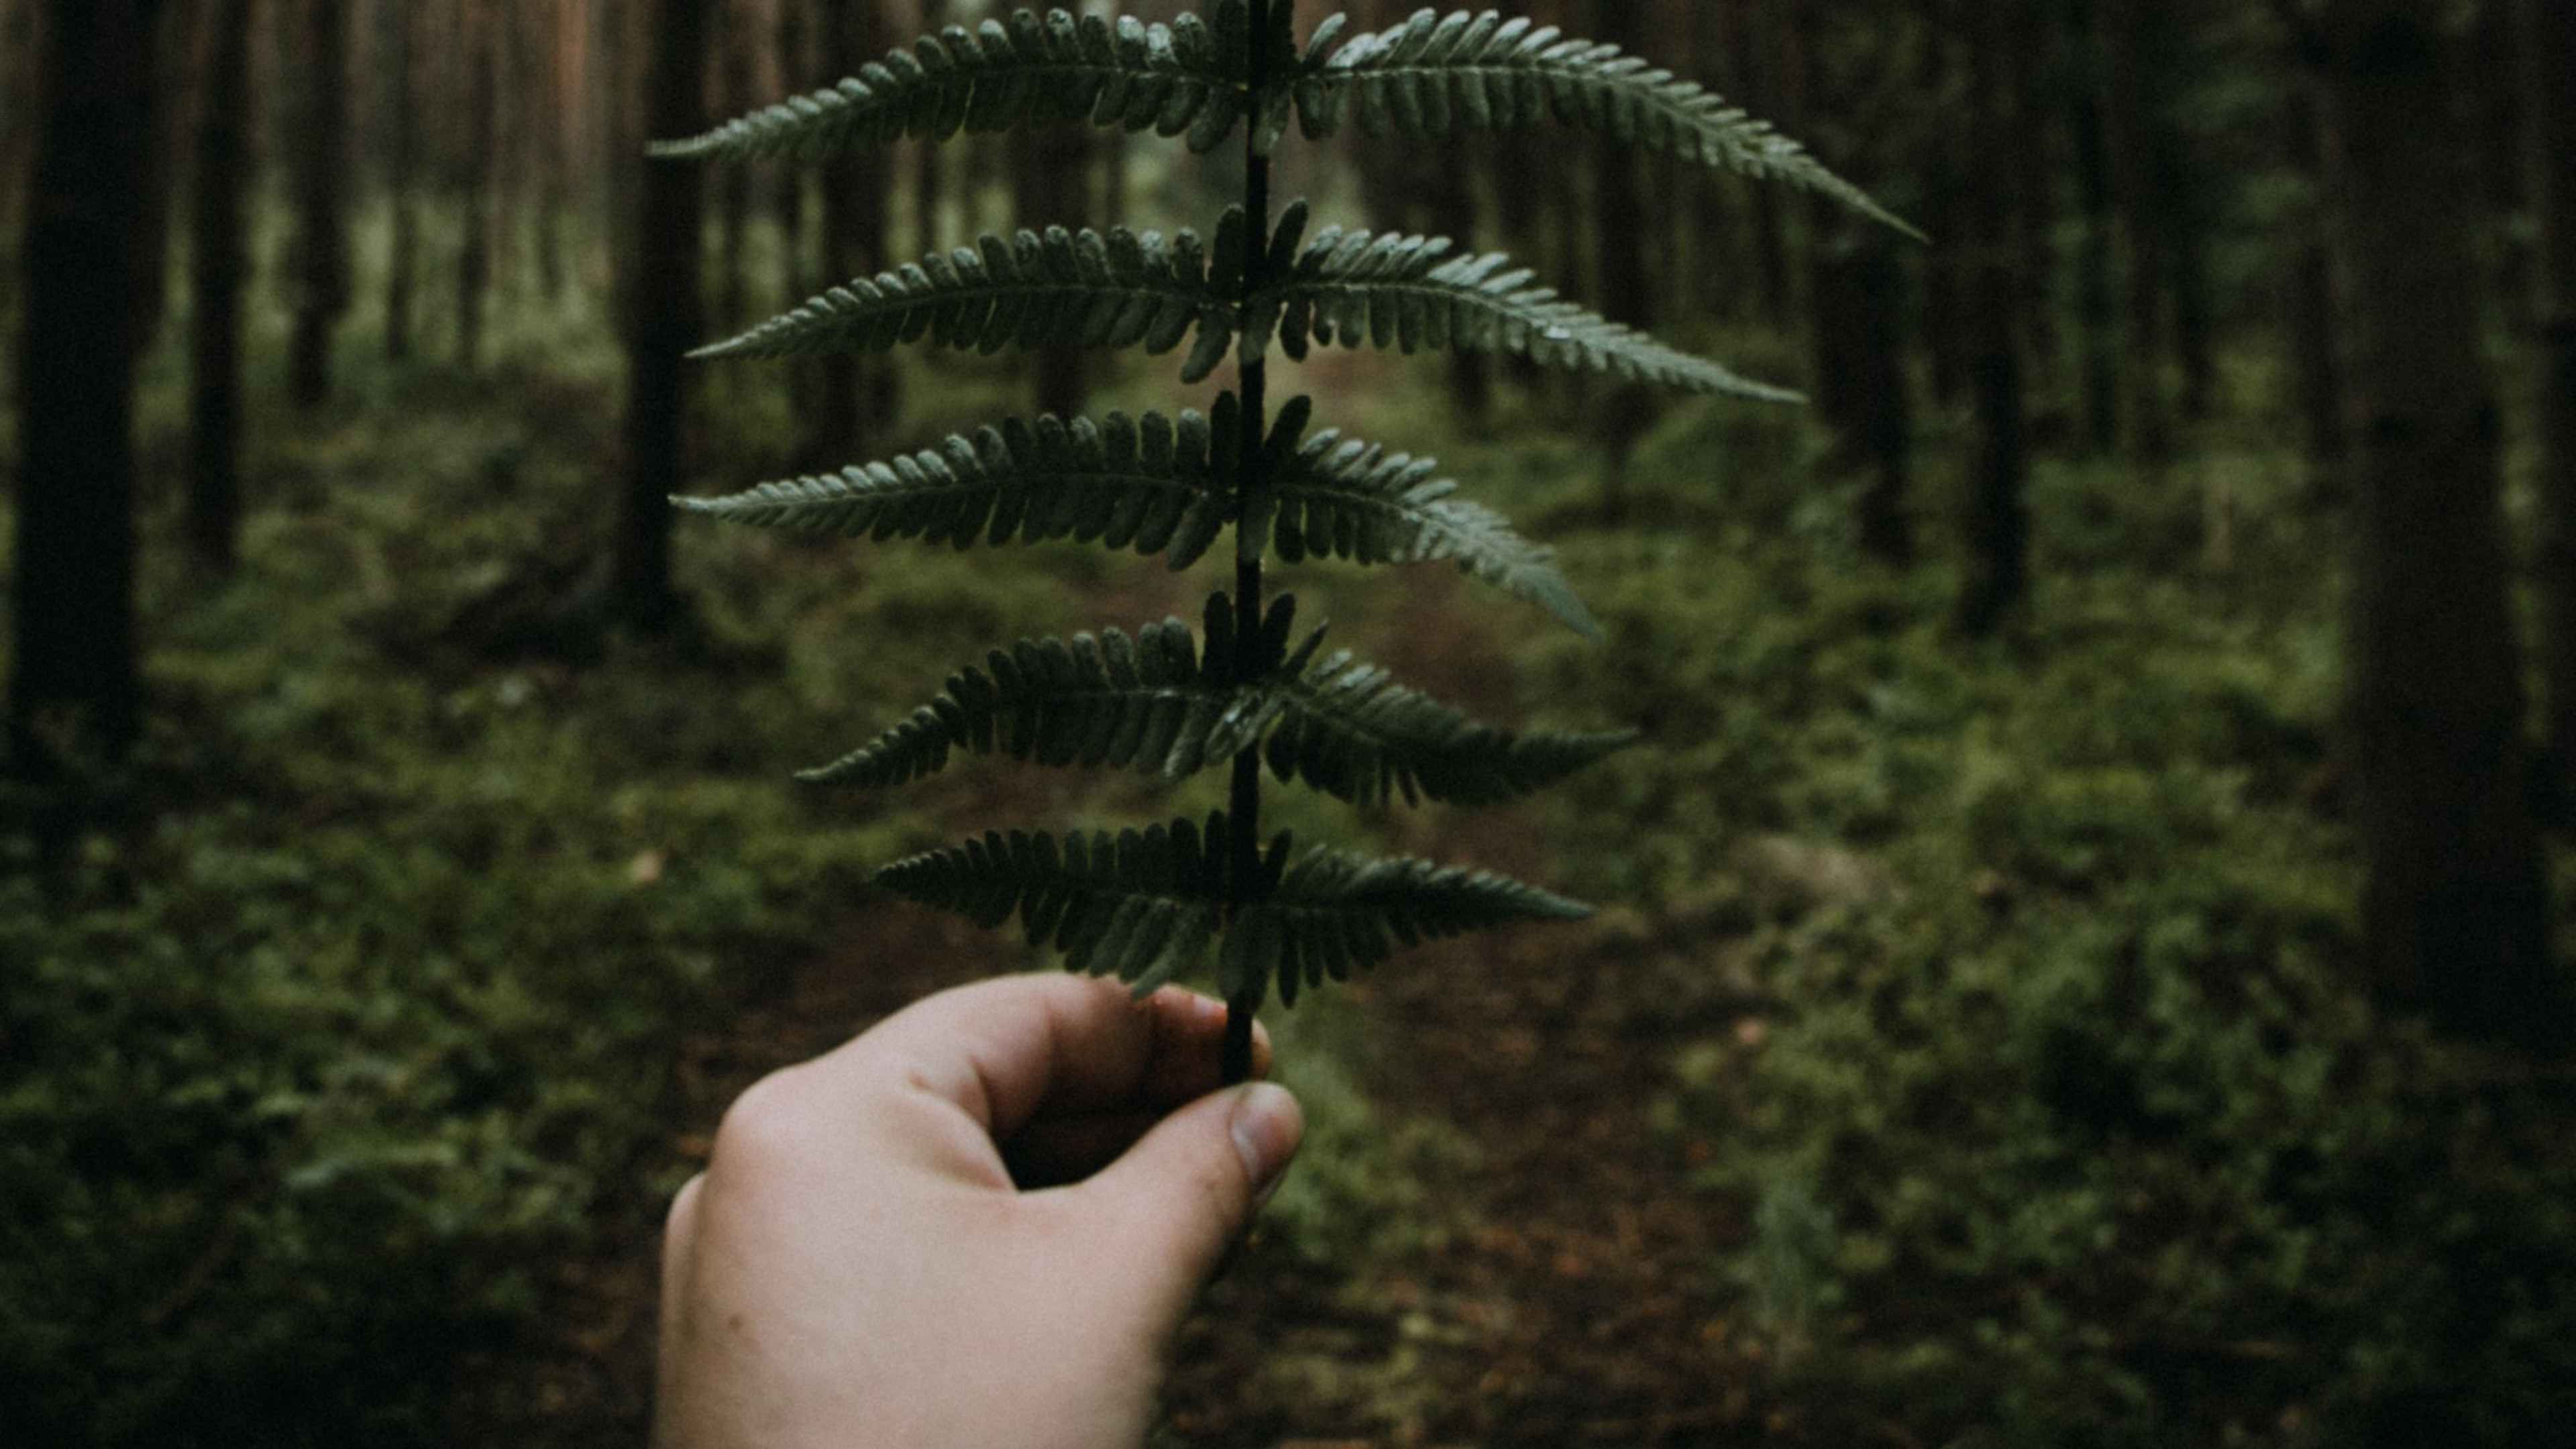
{"points": [[771, 1126]]}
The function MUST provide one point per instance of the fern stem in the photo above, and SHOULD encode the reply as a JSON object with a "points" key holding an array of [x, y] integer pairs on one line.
{"points": [[1252, 383]]}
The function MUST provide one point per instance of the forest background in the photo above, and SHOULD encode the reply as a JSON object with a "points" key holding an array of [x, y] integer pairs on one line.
{"points": [[2080, 952]]}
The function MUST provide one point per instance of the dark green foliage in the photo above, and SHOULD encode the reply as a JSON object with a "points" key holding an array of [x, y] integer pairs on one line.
{"points": [[1147, 483], [1436, 75], [1145, 907], [1177, 79], [1065, 289], [1158, 704]]}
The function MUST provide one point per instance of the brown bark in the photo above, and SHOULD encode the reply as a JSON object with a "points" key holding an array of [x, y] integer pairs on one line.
{"points": [[2454, 905], [2549, 49], [733, 306], [219, 255], [1622, 270], [1753, 36], [929, 236], [665, 318], [74, 688], [163, 110], [1050, 170], [856, 393], [2131, 125]]}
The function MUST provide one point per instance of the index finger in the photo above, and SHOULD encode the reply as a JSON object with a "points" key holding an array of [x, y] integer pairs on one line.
{"points": [[1006, 1051]]}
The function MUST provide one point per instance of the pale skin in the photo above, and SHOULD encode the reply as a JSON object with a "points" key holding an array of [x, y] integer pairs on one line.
{"points": [[980, 1223]]}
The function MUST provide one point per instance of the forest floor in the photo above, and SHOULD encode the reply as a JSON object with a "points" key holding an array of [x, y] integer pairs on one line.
{"points": [[1965, 1052]]}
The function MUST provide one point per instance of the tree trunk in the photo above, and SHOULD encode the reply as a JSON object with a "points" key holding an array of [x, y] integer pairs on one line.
{"points": [[480, 25], [1885, 405], [2096, 317], [734, 302], [2454, 906], [1770, 241], [1049, 172], [2308, 294], [1624, 274], [219, 256], [163, 111], [926, 190], [2132, 124], [74, 689], [667, 314], [322, 245], [1998, 514], [2549, 49], [857, 185], [402, 165]]}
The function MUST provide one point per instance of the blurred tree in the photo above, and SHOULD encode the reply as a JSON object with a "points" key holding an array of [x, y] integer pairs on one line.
{"points": [[857, 393], [2548, 33], [1938, 169], [74, 689], [219, 254], [2131, 98], [2316, 368], [1623, 285], [1051, 186], [402, 167], [926, 189], [1999, 37], [322, 222], [169, 35], [665, 316], [478, 39], [737, 68], [2097, 322], [2454, 908]]}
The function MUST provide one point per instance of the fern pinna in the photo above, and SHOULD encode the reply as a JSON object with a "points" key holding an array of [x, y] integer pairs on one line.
{"points": [[1242, 690]]}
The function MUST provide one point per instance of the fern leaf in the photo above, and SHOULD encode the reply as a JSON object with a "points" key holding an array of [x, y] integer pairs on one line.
{"points": [[1028, 70], [1360, 289], [1334, 913], [1436, 75], [1065, 289], [1150, 483], [1141, 906], [1352, 732], [1336, 497], [1153, 703]]}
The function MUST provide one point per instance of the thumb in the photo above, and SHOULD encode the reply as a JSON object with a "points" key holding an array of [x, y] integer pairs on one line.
{"points": [[1180, 1197]]}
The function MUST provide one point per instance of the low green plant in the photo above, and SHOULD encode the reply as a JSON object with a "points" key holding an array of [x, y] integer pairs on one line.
{"points": [[1146, 906]]}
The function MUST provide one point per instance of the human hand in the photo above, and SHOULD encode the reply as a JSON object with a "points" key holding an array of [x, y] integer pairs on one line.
{"points": [[877, 1256]]}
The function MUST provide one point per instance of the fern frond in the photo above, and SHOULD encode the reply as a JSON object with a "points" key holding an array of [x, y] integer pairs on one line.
{"points": [[1160, 704], [1359, 289], [1152, 703], [1150, 483], [1141, 906], [1435, 75], [1181, 79], [1334, 913], [1352, 732], [1065, 289], [1336, 497]]}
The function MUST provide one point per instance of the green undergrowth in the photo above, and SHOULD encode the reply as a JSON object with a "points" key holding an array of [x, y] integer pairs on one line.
{"points": [[2049, 1101]]}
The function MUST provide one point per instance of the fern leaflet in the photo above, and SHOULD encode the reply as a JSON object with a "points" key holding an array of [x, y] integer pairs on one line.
{"points": [[1332, 497], [1435, 75], [1181, 79], [1150, 483], [1334, 911], [1160, 704], [1359, 289], [1065, 289]]}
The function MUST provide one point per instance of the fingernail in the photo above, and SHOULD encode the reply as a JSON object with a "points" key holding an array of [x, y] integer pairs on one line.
{"points": [[1267, 1124]]}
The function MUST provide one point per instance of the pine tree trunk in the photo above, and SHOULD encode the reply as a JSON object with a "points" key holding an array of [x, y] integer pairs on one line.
{"points": [[733, 306], [164, 109], [2133, 173], [2096, 316], [219, 257], [1621, 230], [1753, 33], [74, 688], [856, 188], [1049, 188], [926, 189], [1945, 328], [1999, 519], [402, 165], [481, 26], [2316, 369], [2549, 49], [322, 244], [2454, 908], [667, 316], [1710, 221]]}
